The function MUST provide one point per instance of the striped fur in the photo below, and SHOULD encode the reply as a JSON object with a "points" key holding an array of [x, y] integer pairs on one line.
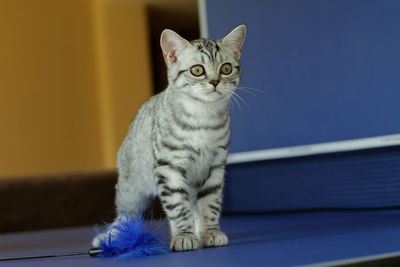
{"points": [[176, 147]]}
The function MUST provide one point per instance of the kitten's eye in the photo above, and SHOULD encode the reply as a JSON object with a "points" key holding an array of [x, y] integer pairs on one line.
{"points": [[197, 70], [226, 69]]}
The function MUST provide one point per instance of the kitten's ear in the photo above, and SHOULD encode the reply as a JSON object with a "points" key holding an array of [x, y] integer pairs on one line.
{"points": [[172, 44], [235, 39]]}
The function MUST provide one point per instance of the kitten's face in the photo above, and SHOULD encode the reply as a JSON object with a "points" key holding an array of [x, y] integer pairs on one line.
{"points": [[204, 70]]}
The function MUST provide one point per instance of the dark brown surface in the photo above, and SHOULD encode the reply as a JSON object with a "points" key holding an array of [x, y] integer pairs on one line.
{"points": [[62, 200], [49, 201]]}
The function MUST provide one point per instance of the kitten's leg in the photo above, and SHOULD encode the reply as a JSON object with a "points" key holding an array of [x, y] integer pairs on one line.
{"points": [[209, 200], [174, 195]]}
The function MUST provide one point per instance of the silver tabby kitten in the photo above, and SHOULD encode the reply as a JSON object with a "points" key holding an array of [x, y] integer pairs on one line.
{"points": [[176, 147]]}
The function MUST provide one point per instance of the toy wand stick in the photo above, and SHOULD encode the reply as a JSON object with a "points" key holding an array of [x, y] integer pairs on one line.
{"points": [[93, 252]]}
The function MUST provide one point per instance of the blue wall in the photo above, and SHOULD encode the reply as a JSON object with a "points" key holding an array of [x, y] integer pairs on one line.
{"points": [[329, 69]]}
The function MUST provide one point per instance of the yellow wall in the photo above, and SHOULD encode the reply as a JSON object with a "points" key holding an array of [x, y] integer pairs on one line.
{"points": [[72, 75], [124, 73]]}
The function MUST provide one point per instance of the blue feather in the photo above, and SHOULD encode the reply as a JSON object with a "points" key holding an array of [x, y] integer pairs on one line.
{"points": [[129, 238]]}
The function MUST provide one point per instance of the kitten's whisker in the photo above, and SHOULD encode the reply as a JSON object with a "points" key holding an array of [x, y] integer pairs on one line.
{"points": [[247, 91], [230, 102], [239, 97], [236, 101], [252, 88]]}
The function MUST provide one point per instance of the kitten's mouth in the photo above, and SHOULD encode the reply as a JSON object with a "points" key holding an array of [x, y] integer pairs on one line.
{"points": [[214, 91]]}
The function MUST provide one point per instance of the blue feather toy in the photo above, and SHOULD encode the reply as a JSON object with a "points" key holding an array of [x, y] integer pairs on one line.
{"points": [[129, 238]]}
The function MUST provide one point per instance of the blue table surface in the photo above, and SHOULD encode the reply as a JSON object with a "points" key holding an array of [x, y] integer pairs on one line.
{"points": [[255, 240]]}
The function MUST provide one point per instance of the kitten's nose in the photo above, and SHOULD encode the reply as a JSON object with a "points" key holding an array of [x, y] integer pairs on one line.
{"points": [[214, 82]]}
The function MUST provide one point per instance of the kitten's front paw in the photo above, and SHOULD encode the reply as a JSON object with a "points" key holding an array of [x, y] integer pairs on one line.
{"points": [[184, 242], [214, 239]]}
